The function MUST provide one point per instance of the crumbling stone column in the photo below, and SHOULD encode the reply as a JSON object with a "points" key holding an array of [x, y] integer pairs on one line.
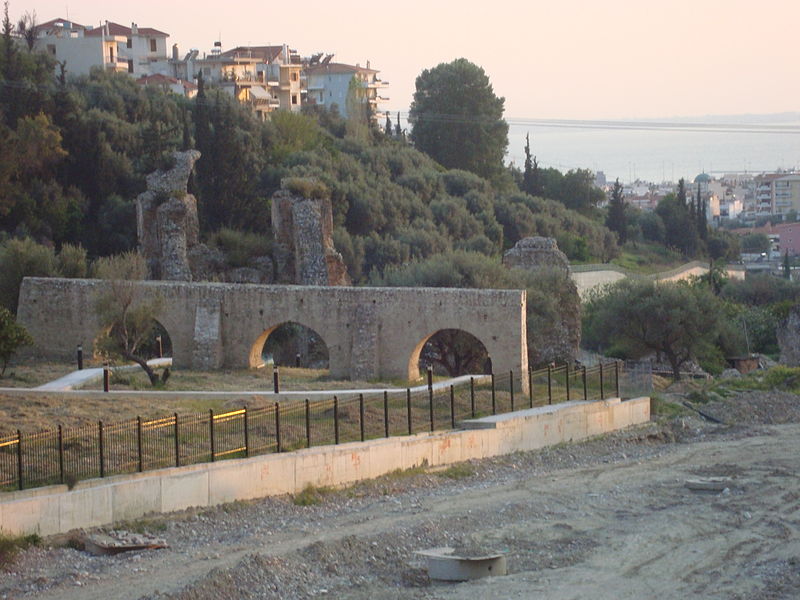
{"points": [[166, 220], [303, 241]]}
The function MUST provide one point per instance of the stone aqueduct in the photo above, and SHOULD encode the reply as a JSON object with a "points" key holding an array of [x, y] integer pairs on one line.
{"points": [[370, 332]]}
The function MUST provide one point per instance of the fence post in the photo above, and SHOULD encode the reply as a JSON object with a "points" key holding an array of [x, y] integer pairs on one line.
{"points": [[211, 432], [494, 400], [275, 383], [530, 387], [105, 378], [308, 424], [335, 420], [139, 443], [80, 357], [177, 442], [60, 455], [430, 376], [278, 427], [567, 380], [452, 408], [472, 396], [408, 410], [100, 443], [246, 435], [361, 415], [19, 458], [430, 406], [602, 391], [386, 413], [549, 384], [585, 390], [511, 388], [616, 376]]}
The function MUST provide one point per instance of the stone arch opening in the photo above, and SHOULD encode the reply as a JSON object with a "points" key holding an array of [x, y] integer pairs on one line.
{"points": [[290, 344], [157, 343], [451, 352]]}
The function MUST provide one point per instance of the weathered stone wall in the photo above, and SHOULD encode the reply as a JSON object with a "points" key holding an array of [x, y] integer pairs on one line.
{"points": [[303, 242], [555, 324], [536, 252], [370, 332]]}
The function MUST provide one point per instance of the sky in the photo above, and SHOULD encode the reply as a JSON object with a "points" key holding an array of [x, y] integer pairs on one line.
{"points": [[565, 59]]}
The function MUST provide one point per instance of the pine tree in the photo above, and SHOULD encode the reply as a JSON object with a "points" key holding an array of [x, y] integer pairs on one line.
{"points": [[397, 129], [616, 220], [388, 126], [530, 178]]}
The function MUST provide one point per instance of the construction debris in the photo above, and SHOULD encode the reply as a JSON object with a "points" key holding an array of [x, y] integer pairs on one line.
{"points": [[117, 541]]}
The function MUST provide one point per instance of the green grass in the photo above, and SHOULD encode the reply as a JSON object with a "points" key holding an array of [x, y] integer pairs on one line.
{"points": [[311, 495], [647, 258], [665, 409], [458, 471], [11, 545]]}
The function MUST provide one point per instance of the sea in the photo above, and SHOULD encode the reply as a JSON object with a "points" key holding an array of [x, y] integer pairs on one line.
{"points": [[663, 149]]}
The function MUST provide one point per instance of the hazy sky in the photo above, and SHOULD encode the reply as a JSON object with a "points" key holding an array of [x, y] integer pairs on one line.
{"points": [[554, 59]]}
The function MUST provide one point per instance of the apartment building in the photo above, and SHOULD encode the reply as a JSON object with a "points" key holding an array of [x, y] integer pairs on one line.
{"points": [[114, 47], [328, 83], [266, 78], [777, 194]]}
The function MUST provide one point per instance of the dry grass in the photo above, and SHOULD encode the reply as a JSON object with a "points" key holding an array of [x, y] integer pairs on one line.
{"points": [[27, 374], [236, 380]]}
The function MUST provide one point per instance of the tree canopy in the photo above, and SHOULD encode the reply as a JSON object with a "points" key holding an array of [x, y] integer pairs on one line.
{"points": [[637, 317], [458, 120]]}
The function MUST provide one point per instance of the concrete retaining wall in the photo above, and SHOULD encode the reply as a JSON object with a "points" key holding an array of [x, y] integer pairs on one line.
{"points": [[55, 509]]}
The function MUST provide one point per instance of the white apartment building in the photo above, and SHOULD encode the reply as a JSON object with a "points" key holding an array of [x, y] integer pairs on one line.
{"points": [[777, 193], [114, 47], [328, 83]]}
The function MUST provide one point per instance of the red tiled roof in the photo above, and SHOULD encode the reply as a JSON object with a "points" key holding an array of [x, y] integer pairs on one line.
{"points": [[54, 23], [117, 29]]}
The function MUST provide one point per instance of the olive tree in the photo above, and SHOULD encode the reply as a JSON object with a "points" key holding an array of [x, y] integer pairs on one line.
{"points": [[637, 317], [126, 311]]}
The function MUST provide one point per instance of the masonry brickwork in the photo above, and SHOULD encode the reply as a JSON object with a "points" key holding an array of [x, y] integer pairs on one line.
{"points": [[370, 333]]}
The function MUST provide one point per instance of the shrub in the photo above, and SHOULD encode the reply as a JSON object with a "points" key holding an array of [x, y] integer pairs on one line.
{"points": [[71, 261], [240, 247], [306, 187], [20, 258]]}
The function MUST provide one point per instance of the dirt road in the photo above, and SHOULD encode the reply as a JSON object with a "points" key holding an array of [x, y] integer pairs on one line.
{"points": [[608, 518]]}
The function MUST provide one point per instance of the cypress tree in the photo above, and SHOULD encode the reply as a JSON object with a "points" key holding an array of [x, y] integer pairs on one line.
{"points": [[616, 220]]}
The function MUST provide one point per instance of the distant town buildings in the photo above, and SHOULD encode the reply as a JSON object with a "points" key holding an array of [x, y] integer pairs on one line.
{"points": [[265, 78]]}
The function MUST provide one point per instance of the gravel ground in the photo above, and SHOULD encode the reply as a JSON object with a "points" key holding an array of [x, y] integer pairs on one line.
{"points": [[606, 518]]}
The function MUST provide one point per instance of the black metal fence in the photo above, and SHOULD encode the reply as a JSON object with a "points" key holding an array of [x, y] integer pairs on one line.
{"points": [[66, 455]]}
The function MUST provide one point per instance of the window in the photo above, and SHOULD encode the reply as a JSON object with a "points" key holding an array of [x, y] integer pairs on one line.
{"points": [[129, 43], [294, 76], [51, 48], [294, 98], [130, 65], [152, 45]]}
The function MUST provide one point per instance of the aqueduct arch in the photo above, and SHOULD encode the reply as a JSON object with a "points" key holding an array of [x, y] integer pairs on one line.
{"points": [[370, 332], [257, 349], [416, 354]]}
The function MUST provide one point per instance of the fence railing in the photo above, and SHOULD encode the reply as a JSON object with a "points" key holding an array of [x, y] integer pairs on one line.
{"points": [[67, 455]]}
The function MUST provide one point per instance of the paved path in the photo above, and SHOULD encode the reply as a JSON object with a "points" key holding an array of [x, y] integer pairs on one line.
{"points": [[68, 383], [84, 376]]}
